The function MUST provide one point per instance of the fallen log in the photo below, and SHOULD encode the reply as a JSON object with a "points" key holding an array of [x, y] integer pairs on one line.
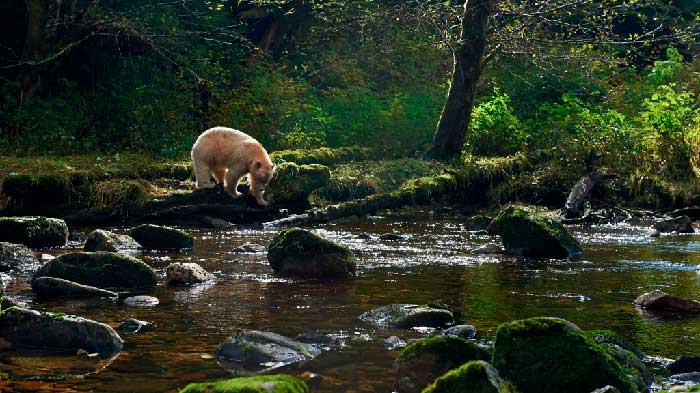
{"points": [[580, 191]]}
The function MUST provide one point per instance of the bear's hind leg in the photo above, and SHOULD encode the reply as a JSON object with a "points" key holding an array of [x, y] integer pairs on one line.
{"points": [[202, 173]]}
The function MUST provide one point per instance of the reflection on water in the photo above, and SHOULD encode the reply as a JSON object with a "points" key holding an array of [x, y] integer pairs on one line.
{"points": [[434, 262]]}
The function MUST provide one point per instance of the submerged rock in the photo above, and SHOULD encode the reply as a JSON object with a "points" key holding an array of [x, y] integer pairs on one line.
{"points": [[301, 253], [35, 232], [249, 248], [16, 256], [258, 384], [100, 269], [684, 364], [406, 316], [680, 224], [141, 301], [101, 240], [391, 237], [474, 377], [463, 331], [489, 249], [155, 237], [554, 355], [133, 325], [186, 273], [424, 360], [216, 223], [58, 287], [530, 235], [255, 351], [24, 327], [659, 300]]}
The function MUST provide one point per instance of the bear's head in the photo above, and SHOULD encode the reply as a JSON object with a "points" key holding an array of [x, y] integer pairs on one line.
{"points": [[261, 173]]}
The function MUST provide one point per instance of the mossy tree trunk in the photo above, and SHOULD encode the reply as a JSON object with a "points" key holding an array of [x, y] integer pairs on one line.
{"points": [[452, 127]]}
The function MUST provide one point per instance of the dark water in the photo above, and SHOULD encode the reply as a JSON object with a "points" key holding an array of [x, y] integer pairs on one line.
{"points": [[433, 263]]}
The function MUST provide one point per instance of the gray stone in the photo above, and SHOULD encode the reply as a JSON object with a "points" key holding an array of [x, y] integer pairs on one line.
{"points": [[490, 248], [659, 300], [462, 331], [133, 325], [393, 342], [50, 287], [186, 273], [406, 316], [255, 351], [249, 248], [680, 224], [101, 240], [142, 301], [217, 223]]}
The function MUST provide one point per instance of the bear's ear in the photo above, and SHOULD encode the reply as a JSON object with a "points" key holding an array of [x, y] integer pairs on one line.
{"points": [[258, 164]]}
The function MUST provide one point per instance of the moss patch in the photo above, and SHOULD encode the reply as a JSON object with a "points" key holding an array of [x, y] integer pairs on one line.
{"points": [[292, 184], [155, 237], [34, 231], [298, 252], [473, 377], [324, 155], [257, 384]]}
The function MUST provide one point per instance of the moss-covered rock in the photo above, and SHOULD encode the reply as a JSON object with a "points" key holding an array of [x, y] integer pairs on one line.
{"points": [[406, 316], [532, 235], [23, 327], [35, 232], [602, 336], [257, 384], [100, 269], [292, 183], [554, 355], [474, 377], [101, 240], [632, 367], [424, 360], [155, 237], [323, 155], [301, 253], [37, 190]]}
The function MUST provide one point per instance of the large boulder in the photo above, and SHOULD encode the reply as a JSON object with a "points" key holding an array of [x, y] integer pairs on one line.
{"points": [[659, 300], [292, 184], [253, 351], [529, 235], [680, 224], [16, 256], [28, 328], [474, 377], [35, 232], [424, 360], [257, 384], [100, 269], [155, 237], [101, 240], [554, 355], [301, 253], [186, 273], [50, 287], [406, 316]]}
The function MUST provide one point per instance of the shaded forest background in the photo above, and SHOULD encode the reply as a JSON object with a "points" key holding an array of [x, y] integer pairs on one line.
{"points": [[604, 84]]}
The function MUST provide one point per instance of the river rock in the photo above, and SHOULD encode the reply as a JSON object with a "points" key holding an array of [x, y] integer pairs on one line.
{"points": [[16, 256], [300, 253], [476, 376], [50, 287], [680, 224], [478, 223], [463, 331], [392, 237], [602, 336], [24, 327], [554, 355], [255, 351], [141, 301], [659, 300], [100, 269], [424, 360], [155, 237], [406, 316], [35, 232], [529, 235], [216, 223], [101, 240], [249, 248], [257, 384], [684, 364], [631, 365], [133, 325], [186, 273], [393, 342], [490, 248]]}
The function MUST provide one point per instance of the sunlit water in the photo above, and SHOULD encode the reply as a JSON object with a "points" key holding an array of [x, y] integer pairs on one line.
{"points": [[434, 262]]}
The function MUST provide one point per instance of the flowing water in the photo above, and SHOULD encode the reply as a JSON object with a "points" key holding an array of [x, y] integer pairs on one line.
{"points": [[434, 262]]}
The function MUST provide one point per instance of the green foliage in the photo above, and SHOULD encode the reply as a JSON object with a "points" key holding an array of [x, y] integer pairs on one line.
{"points": [[494, 128]]}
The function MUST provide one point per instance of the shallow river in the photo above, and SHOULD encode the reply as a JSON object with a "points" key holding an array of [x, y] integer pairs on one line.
{"points": [[433, 263]]}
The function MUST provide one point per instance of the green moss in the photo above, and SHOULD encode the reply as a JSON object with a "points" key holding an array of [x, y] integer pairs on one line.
{"points": [[34, 231], [155, 237], [609, 337], [450, 349], [324, 155], [120, 193], [553, 355], [292, 184], [298, 252], [472, 377], [257, 384]]}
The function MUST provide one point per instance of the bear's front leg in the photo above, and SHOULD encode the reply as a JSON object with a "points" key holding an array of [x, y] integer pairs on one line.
{"points": [[233, 177], [202, 173]]}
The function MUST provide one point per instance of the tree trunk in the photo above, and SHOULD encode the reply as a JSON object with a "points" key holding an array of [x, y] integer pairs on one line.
{"points": [[452, 127]]}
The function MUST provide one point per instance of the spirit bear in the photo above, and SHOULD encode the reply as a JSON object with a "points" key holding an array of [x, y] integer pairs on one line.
{"points": [[227, 155]]}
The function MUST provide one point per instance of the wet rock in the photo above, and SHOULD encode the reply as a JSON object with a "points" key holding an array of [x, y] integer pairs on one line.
{"points": [[607, 389], [216, 223], [16, 256], [392, 237], [406, 316], [141, 301], [255, 351], [693, 377], [100, 269], [319, 340], [602, 336], [393, 342], [364, 236], [463, 331], [424, 360], [490, 248], [684, 364], [632, 367], [475, 377], [101, 240], [35, 232], [529, 235], [50, 287], [257, 384], [478, 223], [659, 300], [681, 224], [76, 236], [155, 237], [186, 273], [554, 355], [301, 253], [24, 327], [249, 248], [133, 325]]}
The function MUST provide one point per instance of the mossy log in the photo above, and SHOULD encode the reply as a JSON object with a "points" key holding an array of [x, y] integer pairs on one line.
{"points": [[326, 156]]}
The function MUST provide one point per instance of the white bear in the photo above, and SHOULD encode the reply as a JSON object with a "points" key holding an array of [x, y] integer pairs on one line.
{"points": [[227, 155]]}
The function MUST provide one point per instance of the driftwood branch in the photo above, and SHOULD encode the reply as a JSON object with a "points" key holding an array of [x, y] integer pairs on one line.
{"points": [[580, 191]]}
